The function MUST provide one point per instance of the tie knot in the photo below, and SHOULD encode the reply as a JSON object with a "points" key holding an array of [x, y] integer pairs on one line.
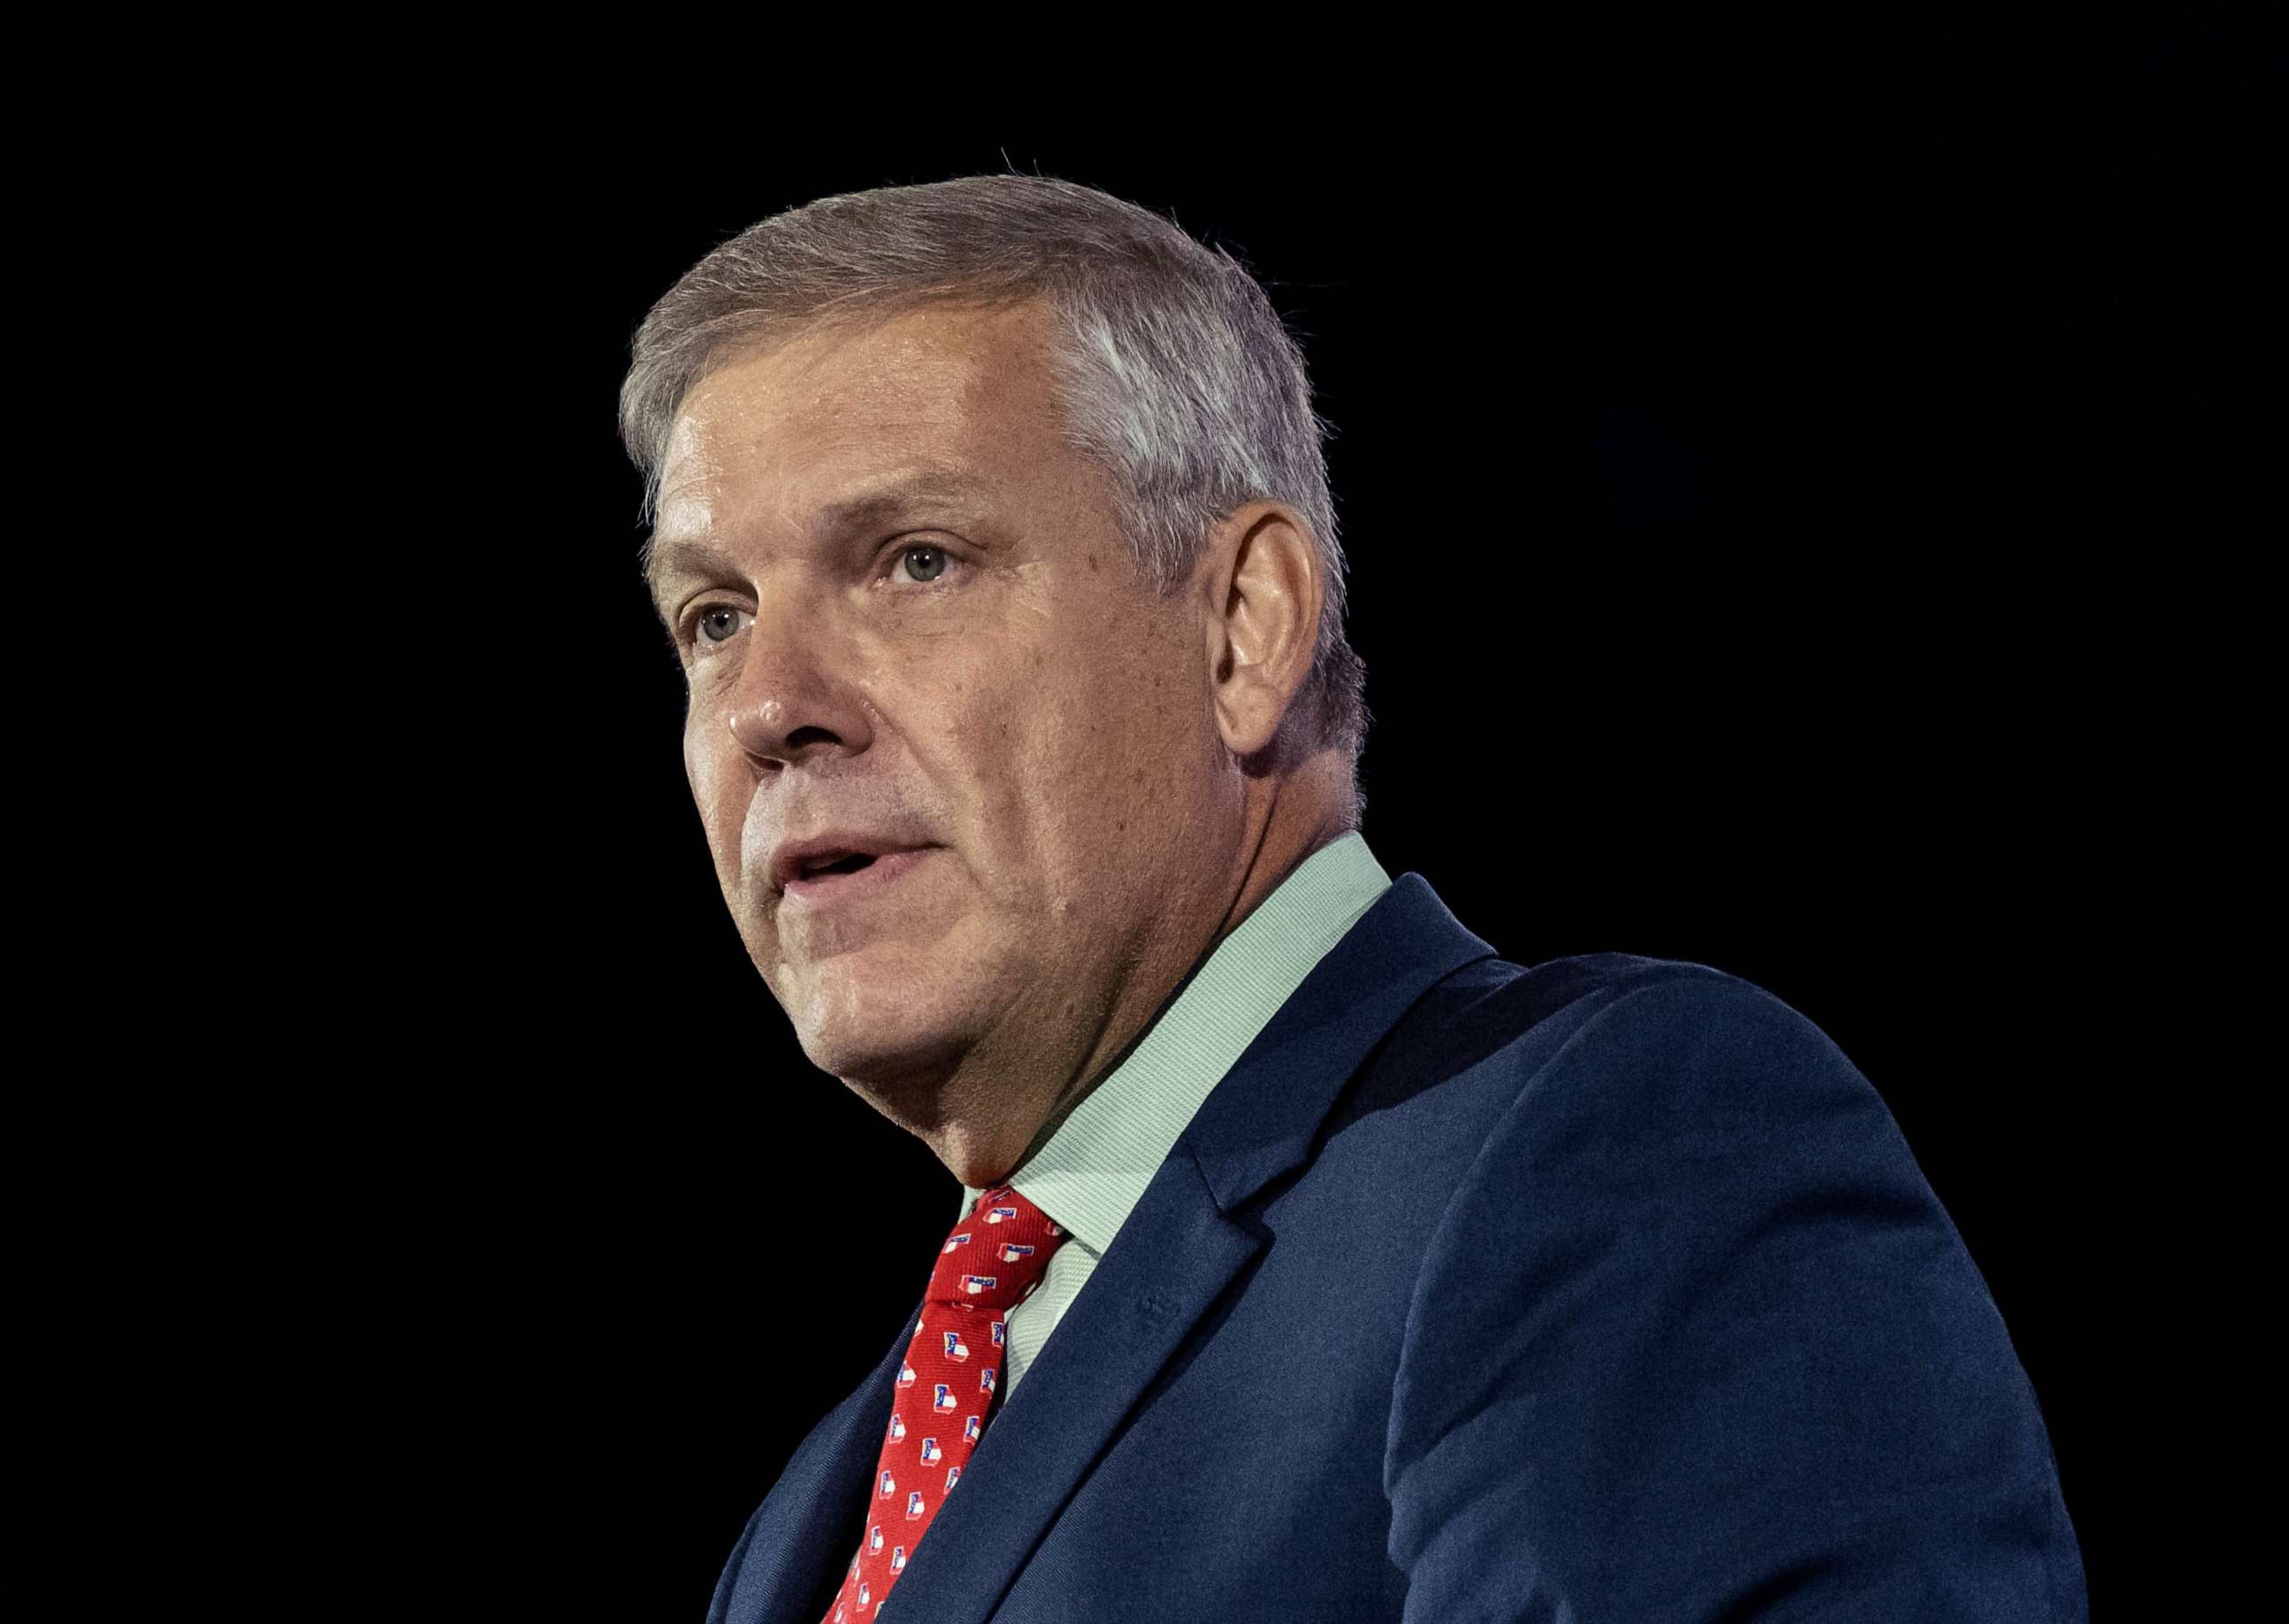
{"points": [[996, 1255]]}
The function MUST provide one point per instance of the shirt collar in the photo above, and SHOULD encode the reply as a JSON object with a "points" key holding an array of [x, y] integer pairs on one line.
{"points": [[1093, 1170]]}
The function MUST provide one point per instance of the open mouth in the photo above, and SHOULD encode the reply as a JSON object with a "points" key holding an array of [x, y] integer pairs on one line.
{"points": [[850, 877], [850, 864]]}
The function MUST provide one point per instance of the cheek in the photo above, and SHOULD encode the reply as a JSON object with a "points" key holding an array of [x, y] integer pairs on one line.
{"points": [[718, 791], [1101, 737], [989, 712]]}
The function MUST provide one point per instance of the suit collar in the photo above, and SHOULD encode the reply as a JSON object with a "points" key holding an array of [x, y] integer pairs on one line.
{"points": [[1091, 1172], [1172, 1259], [1262, 1122]]}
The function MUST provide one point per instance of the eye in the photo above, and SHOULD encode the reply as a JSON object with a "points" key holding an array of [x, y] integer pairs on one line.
{"points": [[923, 563], [715, 625], [918, 563]]}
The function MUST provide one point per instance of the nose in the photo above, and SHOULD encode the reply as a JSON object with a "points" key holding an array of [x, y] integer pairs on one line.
{"points": [[787, 704]]}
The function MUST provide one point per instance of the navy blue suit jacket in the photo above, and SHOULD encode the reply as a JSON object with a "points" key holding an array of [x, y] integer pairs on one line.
{"points": [[1606, 1290]]}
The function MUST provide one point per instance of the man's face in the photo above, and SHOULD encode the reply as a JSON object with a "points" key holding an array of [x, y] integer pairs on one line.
{"points": [[907, 615]]}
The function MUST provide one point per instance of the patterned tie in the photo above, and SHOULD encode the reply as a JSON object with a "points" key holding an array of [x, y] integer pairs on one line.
{"points": [[945, 1392]]}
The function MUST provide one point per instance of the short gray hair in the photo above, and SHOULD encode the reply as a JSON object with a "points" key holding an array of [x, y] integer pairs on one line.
{"points": [[1174, 372]]}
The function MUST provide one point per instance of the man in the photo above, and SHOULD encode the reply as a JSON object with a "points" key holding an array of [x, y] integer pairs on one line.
{"points": [[1312, 1261]]}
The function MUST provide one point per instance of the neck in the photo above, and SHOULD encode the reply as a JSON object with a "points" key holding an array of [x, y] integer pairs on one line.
{"points": [[997, 1107]]}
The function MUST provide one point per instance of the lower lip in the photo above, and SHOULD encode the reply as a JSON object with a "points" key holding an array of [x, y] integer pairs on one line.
{"points": [[834, 890]]}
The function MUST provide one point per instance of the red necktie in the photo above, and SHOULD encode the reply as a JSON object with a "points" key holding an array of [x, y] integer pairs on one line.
{"points": [[945, 1392]]}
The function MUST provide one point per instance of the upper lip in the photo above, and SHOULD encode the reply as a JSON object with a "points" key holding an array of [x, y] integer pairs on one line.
{"points": [[788, 860]]}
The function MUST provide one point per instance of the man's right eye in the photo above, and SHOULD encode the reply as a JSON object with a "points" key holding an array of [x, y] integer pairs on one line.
{"points": [[715, 625]]}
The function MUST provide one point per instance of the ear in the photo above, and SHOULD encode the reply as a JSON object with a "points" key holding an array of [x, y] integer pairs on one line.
{"points": [[1261, 591]]}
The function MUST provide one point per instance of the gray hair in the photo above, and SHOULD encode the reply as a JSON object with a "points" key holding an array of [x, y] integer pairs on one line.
{"points": [[1172, 370]]}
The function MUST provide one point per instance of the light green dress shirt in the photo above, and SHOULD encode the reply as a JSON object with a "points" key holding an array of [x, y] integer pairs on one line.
{"points": [[1091, 1173]]}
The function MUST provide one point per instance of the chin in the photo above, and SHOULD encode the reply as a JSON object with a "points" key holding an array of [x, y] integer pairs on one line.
{"points": [[888, 1009], [856, 1038], [881, 1064]]}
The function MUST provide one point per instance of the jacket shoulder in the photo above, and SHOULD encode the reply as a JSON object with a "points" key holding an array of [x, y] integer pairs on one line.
{"points": [[1693, 1301], [1522, 1018]]}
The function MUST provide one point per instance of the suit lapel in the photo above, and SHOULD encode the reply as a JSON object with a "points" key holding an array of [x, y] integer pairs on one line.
{"points": [[1174, 1254], [807, 1511]]}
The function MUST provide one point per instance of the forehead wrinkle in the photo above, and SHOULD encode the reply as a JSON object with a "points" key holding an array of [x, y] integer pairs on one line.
{"points": [[901, 393]]}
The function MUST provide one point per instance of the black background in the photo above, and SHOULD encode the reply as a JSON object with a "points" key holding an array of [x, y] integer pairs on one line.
{"points": [[1773, 521]]}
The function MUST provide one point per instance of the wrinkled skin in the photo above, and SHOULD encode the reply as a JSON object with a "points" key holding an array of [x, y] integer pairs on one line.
{"points": [[1096, 774]]}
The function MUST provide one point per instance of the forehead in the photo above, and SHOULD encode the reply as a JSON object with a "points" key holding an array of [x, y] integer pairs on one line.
{"points": [[776, 433]]}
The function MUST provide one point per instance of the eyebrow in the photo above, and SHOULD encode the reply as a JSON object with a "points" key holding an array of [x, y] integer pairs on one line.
{"points": [[893, 499]]}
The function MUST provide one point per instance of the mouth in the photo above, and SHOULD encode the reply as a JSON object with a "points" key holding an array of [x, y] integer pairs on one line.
{"points": [[837, 880], [850, 864]]}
